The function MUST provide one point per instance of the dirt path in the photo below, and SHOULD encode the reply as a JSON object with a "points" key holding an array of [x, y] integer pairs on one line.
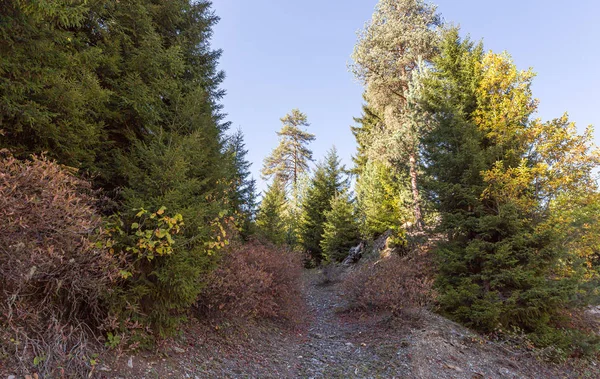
{"points": [[338, 344], [333, 348]]}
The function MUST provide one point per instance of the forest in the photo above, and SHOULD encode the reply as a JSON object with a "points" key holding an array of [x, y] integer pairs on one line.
{"points": [[129, 213]]}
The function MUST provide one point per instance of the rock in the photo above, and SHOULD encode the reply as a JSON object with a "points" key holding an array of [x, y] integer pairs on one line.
{"points": [[178, 350], [130, 362], [11, 377], [104, 368], [349, 344], [455, 368], [354, 254]]}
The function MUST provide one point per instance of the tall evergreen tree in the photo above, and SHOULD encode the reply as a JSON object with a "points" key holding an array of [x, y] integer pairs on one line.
{"points": [[384, 199], [51, 99], [290, 159], [243, 195], [166, 140], [270, 220], [365, 126], [496, 177], [389, 52], [328, 180], [340, 230]]}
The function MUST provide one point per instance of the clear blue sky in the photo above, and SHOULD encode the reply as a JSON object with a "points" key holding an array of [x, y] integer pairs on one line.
{"points": [[280, 55]]}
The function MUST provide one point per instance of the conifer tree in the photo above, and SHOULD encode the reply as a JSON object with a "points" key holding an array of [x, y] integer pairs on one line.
{"points": [[497, 177], [166, 142], [328, 180], [51, 99], [243, 195], [290, 159], [365, 126], [383, 199], [340, 230], [270, 220], [389, 51]]}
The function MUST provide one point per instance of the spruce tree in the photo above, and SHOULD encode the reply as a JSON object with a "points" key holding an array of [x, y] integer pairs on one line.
{"points": [[270, 220], [383, 199], [496, 178], [328, 180], [243, 193], [340, 230], [290, 159], [51, 99], [166, 142]]}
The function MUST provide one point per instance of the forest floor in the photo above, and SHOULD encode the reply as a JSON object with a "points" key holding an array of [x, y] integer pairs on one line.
{"points": [[335, 343]]}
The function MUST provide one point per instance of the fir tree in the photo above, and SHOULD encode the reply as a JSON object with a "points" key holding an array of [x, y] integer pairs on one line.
{"points": [[51, 99], [270, 220], [290, 159], [366, 126], [496, 178], [166, 141], [328, 180], [383, 198], [243, 196], [340, 230]]}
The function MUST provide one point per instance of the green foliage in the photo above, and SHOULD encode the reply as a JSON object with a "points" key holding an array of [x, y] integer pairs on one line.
{"points": [[270, 220], [384, 199], [328, 180], [498, 179], [362, 131], [161, 275], [50, 95], [404, 33], [289, 160], [243, 196], [340, 230]]}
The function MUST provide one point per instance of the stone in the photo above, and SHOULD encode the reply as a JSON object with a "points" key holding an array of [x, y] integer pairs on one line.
{"points": [[130, 362], [354, 254]]}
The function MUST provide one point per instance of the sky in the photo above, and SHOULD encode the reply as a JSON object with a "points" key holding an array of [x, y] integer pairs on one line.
{"points": [[285, 54]]}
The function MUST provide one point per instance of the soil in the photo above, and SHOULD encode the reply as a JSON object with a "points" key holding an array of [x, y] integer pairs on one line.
{"points": [[333, 342]]}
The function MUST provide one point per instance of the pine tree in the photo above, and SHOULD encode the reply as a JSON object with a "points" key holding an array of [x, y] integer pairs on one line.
{"points": [[328, 180], [340, 230], [402, 32], [290, 159], [270, 220]]}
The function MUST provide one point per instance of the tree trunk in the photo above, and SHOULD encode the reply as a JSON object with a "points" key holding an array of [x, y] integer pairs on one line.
{"points": [[415, 192]]}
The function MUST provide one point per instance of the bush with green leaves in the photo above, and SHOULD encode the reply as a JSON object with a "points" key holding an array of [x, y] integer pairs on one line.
{"points": [[161, 277]]}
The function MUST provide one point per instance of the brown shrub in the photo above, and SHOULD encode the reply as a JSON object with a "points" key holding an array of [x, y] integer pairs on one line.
{"points": [[52, 277], [255, 280], [393, 284]]}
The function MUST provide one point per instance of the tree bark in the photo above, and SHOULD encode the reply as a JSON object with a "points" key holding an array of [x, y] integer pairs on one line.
{"points": [[415, 192]]}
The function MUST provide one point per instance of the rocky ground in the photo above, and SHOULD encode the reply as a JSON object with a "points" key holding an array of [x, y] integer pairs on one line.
{"points": [[335, 343], [332, 343]]}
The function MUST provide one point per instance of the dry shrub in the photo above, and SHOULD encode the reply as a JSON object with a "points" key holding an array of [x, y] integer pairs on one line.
{"points": [[52, 277], [255, 280], [331, 274], [391, 284]]}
